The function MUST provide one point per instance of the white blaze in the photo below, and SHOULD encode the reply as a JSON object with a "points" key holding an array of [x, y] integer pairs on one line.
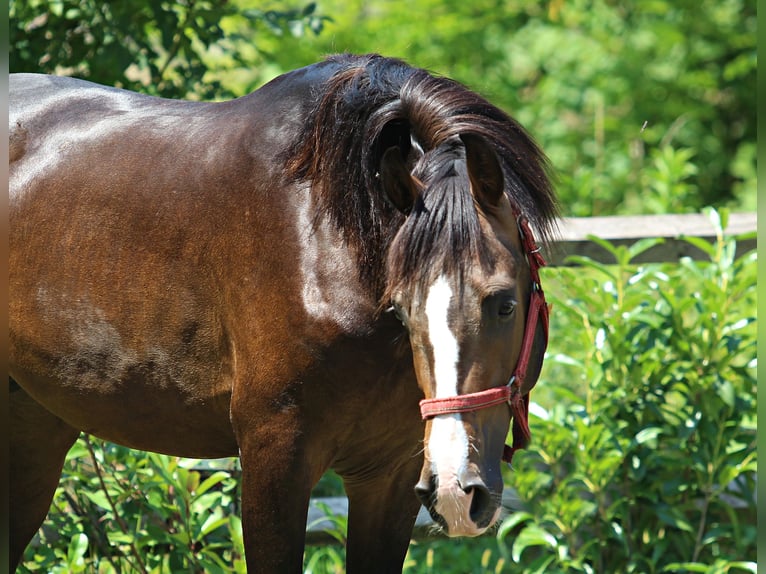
{"points": [[448, 441]]}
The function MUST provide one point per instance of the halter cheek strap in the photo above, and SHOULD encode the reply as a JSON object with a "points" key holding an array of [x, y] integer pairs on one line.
{"points": [[537, 314]]}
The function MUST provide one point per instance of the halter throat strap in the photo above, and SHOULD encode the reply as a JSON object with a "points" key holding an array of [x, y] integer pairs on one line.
{"points": [[537, 314]]}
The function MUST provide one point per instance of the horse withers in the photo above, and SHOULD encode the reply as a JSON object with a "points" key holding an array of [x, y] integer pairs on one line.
{"points": [[300, 277]]}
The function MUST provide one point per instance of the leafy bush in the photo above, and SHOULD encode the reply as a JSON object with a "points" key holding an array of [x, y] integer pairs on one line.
{"points": [[120, 510], [607, 88], [171, 49], [645, 458]]}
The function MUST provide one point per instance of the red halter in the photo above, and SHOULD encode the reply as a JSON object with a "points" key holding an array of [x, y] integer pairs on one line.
{"points": [[510, 393]]}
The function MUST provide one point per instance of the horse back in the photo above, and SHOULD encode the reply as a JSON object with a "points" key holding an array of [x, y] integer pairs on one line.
{"points": [[147, 235]]}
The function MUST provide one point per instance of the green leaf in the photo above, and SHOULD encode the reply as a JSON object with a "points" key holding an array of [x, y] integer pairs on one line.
{"points": [[727, 392], [119, 537], [648, 434], [235, 532], [206, 502], [57, 8], [78, 544], [686, 566], [566, 360], [539, 566], [532, 535], [747, 566], [213, 522], [512, 522], [296, 28], [568, 395], [643, 245], [583, 261], [673, 517], [211, 481], [702, 244], [719, 218], [98, 497], [615, 250]]}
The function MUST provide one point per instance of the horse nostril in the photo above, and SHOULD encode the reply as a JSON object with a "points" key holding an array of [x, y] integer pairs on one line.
{"points": [[482, 509], [425, 490]]}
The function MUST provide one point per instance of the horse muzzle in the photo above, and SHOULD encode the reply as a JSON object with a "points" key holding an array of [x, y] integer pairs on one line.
{"points": [[463, 505]]}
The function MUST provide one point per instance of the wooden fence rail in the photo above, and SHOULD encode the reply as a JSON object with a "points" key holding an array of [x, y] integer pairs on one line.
{"points": [[574, 239], [575, 233], [324, 515]]}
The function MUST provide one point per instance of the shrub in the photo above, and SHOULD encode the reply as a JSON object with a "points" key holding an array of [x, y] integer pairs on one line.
{"points": [[645, 461], [121, 510]]}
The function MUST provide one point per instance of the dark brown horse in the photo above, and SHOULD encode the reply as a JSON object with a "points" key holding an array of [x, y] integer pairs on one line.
{"points": [[281, 277]]}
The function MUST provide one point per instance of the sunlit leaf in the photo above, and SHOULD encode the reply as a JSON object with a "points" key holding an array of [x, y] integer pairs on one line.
{"points": [[512, 522], [531, 535], [77, 548]]}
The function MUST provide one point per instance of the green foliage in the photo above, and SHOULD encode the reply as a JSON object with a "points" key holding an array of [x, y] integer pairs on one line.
{"points": [[128, 511], [644, 459], [172, 49], [611, 90]]}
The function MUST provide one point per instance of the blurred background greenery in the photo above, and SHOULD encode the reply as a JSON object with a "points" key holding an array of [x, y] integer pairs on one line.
{"points": [[643, 457], [617, 93]]}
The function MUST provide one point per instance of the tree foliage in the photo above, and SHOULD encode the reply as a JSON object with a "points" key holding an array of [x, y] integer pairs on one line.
{"points": [[171, 49], [614, 92]]}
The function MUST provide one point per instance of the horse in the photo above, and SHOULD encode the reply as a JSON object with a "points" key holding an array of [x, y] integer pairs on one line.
{"points": [[336, 271]]}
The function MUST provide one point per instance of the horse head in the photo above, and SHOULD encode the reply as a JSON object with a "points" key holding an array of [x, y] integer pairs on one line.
{"points": [[463, 281]]}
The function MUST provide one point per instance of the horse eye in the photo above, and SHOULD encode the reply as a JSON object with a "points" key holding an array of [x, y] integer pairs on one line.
{"points": [[507, 307]]}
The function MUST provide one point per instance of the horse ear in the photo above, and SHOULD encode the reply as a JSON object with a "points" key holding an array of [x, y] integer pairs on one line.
{"points": [[484, 170], [397, 181]]}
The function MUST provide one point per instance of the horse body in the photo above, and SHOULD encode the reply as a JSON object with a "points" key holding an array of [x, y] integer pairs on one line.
{"points": [[161, 209], [183, 280]]}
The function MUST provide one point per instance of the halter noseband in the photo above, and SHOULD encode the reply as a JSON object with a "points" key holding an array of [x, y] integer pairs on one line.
{"points": [[510, 393]]}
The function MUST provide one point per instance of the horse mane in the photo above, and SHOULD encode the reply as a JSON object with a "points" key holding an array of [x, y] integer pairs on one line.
{"points": [[372, 103]]}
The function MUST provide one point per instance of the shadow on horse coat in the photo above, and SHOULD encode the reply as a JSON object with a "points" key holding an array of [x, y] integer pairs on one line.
{"points": [[280, 277]]}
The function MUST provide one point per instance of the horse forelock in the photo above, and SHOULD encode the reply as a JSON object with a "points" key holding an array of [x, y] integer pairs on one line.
{"points": [[345, 134], [443, 234]]}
